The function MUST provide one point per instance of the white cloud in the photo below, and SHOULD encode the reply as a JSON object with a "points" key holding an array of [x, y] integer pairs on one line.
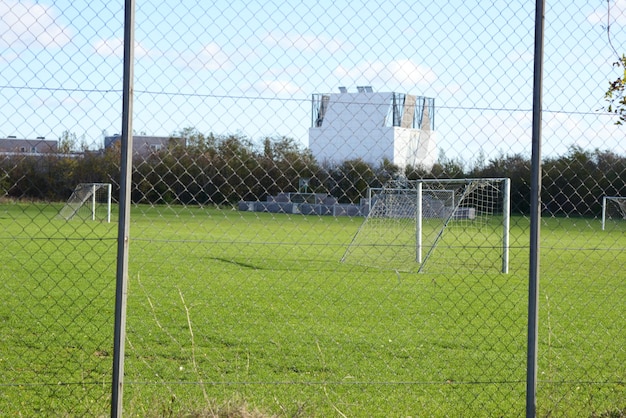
{"points": [[277, 87], [406, 71], [503, 133], [617, 10], [8, 56], [115, 48], [291, 72], [561, 130], [404, 74], [303, 43], [109, 47], [26, 24], [210, 57]]}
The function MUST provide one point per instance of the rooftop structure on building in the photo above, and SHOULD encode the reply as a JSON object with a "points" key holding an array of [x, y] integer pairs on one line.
{"points": [[372, 126]]}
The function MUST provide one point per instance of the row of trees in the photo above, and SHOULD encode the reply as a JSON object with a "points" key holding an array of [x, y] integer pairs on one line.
{"points": [[222, 170]]}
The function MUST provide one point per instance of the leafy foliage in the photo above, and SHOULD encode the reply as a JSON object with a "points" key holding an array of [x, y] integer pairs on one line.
{"points": [[222, 170], [615, 94]]}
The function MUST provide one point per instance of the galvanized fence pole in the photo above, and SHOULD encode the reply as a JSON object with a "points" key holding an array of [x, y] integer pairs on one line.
{"points": [[535, 216], [124, 212]]}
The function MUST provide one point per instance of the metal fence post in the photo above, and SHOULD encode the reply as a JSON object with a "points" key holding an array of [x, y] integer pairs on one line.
{"points": [[124, 213], [535, 217]]}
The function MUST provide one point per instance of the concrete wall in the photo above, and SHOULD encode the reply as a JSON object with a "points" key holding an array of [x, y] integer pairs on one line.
{"points": [[302, 203]]}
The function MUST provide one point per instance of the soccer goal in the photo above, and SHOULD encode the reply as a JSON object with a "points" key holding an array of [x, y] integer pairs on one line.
{"points": [[613, 209], [435, 225], [89, 201]]}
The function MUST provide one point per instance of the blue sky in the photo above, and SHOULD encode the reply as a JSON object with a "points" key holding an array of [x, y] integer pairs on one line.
{"points": [[250, 67]]}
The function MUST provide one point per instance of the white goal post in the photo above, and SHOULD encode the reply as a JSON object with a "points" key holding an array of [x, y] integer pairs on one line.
{"points": [[90, 201], [435, 224], [613, 207]]}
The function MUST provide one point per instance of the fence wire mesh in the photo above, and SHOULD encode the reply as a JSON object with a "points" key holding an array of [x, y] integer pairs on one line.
{"points": [[264, 133]]}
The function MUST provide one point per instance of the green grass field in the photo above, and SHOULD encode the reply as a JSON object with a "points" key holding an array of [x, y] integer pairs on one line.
{"points": [[227, 306]]}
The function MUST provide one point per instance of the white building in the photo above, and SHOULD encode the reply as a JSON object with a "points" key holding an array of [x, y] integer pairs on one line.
{"points": [[373, 126]]}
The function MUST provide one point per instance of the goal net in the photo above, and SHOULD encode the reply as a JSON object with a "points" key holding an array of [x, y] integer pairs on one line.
{"points": [[435, 225], [89, 201], [613, 210]]}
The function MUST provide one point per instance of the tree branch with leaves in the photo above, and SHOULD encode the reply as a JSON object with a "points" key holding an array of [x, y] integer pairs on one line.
{"points": [[615, 93]]}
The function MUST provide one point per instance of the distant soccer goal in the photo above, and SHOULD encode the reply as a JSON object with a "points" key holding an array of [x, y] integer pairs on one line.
{"points": [[434, 225], [89, 201], [613, 209]]}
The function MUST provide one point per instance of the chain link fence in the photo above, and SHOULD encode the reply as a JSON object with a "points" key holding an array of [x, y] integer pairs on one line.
{"points": [[330, 209]]}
